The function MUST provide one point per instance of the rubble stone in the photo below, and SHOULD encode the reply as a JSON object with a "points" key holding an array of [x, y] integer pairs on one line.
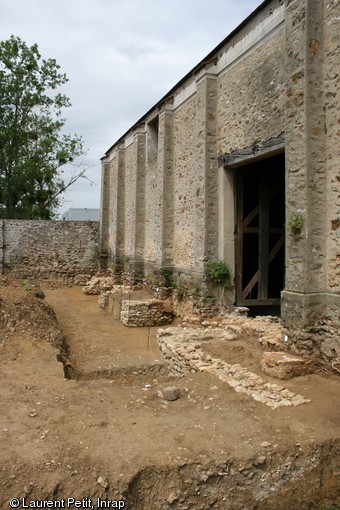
{"points": [[170, 393], [99, 284], [81, 279], [284, 365]]}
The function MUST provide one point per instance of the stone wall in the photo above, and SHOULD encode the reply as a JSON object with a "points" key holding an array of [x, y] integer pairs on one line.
{"points": [[332, 103], [49, 249], [147, 312], [130, 200], [165, 205], [311, 298], [171, 204], [185, 198], [251, 97]]}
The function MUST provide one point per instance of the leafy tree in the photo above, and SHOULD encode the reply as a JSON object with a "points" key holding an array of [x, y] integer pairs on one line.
{"points": [[33, 150]]}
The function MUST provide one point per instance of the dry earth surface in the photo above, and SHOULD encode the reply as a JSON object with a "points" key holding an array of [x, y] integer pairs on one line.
{"points": [[103, 432]]}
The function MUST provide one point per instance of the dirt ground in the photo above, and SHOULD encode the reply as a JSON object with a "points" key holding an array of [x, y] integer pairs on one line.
{"points": [[103, 432]]}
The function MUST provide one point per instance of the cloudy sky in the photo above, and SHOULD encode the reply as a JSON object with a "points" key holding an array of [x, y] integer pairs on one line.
{"points": [[121, 57]]}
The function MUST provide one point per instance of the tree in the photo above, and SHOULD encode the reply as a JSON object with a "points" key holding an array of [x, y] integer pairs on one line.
{"points": [[33, 149]]}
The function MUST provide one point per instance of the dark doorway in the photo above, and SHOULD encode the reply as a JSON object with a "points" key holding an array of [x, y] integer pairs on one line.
{"points": [[260, 233]]}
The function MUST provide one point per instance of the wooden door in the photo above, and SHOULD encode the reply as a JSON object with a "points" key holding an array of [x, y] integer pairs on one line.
{"points": [[260, 240]]}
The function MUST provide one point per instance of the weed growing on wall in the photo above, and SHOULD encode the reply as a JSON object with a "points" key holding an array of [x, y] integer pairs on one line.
{"points": [[166, 277], [196, 288], [180, 290], [218, 272], [295, 223]]}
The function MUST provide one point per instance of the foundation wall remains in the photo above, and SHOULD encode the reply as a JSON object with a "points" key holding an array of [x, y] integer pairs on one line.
{"points": [[150, 312], [49, 249]]}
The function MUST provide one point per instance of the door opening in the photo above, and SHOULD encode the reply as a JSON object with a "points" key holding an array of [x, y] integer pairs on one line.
{"points": [[260, 232]]}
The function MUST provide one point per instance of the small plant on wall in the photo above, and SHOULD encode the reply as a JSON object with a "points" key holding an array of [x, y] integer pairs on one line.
{"points": [[180, 287], [166, 277], [196, 288], [295, 223], [180, 290], [217, 271], [126, 263]]}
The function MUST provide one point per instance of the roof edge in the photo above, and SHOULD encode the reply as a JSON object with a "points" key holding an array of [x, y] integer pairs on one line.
{"points": [[208, 57]]}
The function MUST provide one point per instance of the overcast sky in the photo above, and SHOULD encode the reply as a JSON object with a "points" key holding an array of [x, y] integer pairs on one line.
{"points": [[121, 57]]}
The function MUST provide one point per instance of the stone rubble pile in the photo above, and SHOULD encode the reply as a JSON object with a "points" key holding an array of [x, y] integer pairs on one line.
{"points": [[268, 329], [181, 348], [100, 284], [82, 279]]}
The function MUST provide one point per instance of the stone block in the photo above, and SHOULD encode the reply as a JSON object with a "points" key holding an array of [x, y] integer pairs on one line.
{"points": [[99, 284], [169, 393], [284, 365], [144, 313]]}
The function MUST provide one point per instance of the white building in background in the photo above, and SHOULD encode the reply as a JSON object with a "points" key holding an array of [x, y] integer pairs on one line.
{"points": [[84, 214]]}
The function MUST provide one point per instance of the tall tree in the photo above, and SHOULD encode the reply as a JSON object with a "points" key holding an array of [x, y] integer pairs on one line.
{"points": [[33, 149]]}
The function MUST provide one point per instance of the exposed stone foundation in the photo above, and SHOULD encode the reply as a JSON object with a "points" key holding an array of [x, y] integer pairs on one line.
{"points": [[319, 342], [182, 349], [138, 307], [133, 308], [150, 312]]}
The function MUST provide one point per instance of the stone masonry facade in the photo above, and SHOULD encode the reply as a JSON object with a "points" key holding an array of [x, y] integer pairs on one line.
{"points": [[66, 251], [168, 187]]}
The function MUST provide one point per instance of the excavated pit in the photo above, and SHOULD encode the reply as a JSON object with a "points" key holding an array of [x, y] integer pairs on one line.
{"points": [[68, 360]]}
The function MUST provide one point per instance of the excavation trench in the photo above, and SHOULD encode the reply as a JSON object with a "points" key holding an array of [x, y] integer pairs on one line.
{"points": [[105, 433], [95, 344], [231, 467], [68, 360]]}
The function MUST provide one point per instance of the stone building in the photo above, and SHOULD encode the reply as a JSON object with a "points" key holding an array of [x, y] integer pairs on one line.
{"points": [[239, 162]]}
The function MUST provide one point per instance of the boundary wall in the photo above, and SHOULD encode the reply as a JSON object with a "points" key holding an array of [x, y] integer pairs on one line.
{"points": [[49, 250]]}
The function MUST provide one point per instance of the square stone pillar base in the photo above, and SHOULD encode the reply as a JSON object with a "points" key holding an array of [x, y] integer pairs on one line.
{"points": [[299, 310]]}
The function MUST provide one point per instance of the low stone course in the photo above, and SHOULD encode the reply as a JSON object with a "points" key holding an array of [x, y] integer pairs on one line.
{"points": [[126, 306], [268, 329], [148, 312], [181, 348]]}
